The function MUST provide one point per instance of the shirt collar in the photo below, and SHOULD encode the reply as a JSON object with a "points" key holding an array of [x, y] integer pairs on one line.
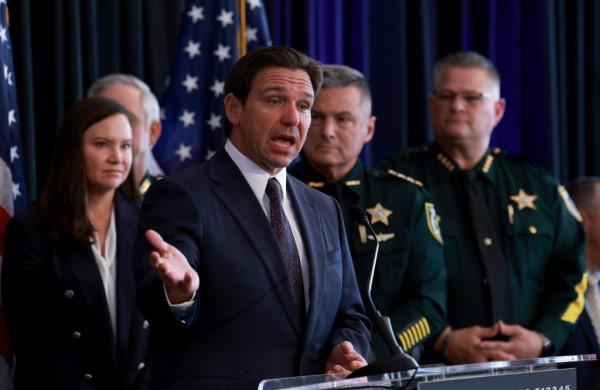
{"points": [[256, 176], [484, 166]]}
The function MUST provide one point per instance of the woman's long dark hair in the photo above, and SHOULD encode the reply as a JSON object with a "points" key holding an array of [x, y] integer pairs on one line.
{"points": [[63, 199]]}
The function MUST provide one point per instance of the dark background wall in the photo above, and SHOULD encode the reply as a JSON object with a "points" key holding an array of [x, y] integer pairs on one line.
{"points": [[548, 52]]}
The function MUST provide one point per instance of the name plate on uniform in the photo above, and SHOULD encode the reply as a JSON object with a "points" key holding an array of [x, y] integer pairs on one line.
{"points": [[561, 379]]}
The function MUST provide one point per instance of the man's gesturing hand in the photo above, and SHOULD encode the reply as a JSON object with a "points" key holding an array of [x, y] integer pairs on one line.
{"points": [[180, 279]]}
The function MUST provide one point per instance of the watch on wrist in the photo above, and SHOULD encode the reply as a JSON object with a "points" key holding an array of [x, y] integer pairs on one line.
{"points": [[547, 346]]}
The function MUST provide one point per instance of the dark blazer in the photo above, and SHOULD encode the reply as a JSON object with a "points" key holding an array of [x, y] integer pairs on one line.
{"points": [[57, 314], [245, 327], [583, 341]]}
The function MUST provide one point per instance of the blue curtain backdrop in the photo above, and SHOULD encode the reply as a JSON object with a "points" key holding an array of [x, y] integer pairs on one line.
{"points": [[548, 52]]}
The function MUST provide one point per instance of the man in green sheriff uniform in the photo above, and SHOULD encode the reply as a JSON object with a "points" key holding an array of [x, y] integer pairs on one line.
{"points": [[410, 280], [539, 239]]}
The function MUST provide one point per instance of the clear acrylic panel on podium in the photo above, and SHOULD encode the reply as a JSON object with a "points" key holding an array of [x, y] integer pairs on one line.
{"points": [[433, 373]]}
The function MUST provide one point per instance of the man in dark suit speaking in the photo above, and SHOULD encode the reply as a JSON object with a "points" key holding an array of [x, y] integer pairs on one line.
{"points": [[249, 275]]}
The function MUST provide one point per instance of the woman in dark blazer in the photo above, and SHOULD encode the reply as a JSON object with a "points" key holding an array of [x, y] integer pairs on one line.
{"points": [[67, 283]]}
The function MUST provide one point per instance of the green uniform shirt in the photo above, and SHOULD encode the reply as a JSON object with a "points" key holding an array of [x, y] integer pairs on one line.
{"points": [[539, 231], [409, 284]]}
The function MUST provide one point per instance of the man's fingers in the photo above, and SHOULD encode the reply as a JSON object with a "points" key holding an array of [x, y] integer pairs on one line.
{"points": [[494, 345], [509, 330], [355, 365], [346, 347], [339, 369], [488, 332], [155, 259], [156, 241], [499, 355], [353, 356]]}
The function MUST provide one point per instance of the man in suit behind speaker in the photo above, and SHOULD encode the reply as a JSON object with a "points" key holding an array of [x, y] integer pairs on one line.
{"points": [[585, 339], [249, 274]]}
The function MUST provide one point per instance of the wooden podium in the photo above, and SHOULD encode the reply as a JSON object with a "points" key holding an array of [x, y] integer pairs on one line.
{"points": [[533, 374]]}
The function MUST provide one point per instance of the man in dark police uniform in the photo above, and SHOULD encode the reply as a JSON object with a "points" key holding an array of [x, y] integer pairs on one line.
{"points": [[513, 240], [409, 283]]}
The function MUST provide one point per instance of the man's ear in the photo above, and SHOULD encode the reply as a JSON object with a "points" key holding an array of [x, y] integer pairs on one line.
{"points": [[233, 108], [155, 130], [499, 108], [370, 129]]}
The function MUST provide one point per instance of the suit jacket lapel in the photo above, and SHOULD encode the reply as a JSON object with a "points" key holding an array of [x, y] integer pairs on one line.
{"points": [[126, 232], [83, 264], [308, 221], [238, 198]]}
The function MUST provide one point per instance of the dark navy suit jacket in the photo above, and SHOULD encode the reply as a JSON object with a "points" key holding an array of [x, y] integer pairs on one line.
{"points": [[56, 310], [583, 341], [245, 325]]}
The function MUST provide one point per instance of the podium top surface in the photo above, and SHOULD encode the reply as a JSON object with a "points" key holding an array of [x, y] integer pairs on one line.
{"points": [[423, 373]]}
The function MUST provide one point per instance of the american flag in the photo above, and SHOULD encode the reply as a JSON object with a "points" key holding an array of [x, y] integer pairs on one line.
{"points": [[192, 105], [13, 197]]}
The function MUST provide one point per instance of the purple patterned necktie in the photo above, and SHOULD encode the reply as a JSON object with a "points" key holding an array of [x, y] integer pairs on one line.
{"points": [[285, 240]]}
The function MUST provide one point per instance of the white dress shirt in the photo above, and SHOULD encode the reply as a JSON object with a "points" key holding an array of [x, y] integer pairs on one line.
{"points": [[107, 266]]}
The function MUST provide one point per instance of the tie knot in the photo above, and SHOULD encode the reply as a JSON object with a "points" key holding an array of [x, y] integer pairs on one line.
{"points": [[273, 190]]}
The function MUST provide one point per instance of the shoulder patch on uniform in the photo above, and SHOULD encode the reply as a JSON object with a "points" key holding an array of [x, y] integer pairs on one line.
{"points": [[404, 177], [569, 204], [433, 222]]}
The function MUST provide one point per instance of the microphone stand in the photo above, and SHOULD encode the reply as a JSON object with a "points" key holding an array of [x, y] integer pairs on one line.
{"points": [[399, 360]]}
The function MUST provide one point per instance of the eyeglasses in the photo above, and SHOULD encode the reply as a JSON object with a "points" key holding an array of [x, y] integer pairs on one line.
{"points": [[471, 98]]}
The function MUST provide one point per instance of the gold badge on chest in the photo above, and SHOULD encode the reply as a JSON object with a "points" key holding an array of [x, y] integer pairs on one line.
{"points": [[523, 200], [379, 214]]}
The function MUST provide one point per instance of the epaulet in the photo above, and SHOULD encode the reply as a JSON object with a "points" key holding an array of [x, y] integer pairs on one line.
{"points": [[404, 177]]}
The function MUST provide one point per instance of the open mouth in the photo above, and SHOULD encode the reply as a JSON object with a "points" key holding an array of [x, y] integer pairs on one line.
{"points": [[284, 141]]}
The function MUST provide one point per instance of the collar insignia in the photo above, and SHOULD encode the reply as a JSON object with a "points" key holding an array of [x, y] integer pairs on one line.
{"points": [[144, 186], [446, 162], [488, 163]]}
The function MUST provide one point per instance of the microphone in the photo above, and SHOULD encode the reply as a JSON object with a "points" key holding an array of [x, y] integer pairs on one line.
{"points": [[399, 360]]}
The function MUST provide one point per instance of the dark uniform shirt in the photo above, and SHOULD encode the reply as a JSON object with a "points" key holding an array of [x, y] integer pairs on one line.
{"points": [[410, 280], [539, 231]]}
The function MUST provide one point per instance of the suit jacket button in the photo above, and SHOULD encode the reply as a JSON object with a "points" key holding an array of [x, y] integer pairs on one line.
{"points": [[145, 324], [87, 376], [69, 294], [76, 335], [141, 366]]}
